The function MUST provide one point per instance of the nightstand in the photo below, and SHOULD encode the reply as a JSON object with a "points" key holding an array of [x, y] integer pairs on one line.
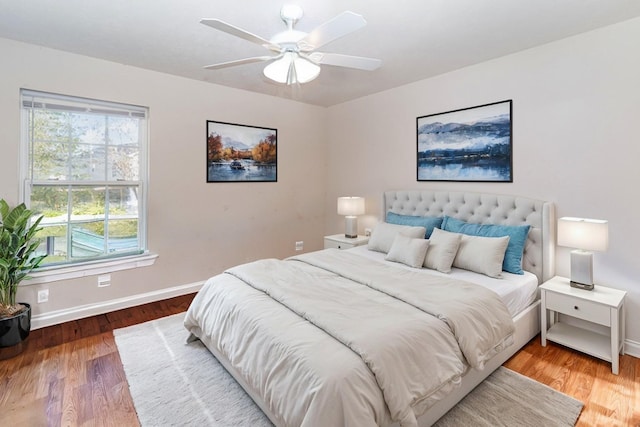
{"points": [[601, 306], [340, 242]]}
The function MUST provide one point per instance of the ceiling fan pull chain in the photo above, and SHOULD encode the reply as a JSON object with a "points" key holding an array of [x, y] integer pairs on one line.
{"points": [[292, 77]]}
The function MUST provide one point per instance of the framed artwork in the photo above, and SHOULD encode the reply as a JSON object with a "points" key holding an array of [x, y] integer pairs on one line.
{"points": [[470, 144], [241, 153]]}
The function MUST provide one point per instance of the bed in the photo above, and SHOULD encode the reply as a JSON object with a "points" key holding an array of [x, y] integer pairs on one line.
{"points": [[339, 337]]}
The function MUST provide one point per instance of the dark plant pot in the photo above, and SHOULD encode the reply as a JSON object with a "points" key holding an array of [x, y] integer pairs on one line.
{"points": [[15, 329]]}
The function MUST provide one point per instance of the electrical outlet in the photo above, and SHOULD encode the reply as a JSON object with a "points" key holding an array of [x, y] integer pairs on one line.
{"points": [[43, 295], [299, 245], [104, 280]]}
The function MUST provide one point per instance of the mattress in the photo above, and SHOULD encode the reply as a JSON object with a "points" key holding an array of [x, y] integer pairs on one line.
{"points": [[517, 291]]}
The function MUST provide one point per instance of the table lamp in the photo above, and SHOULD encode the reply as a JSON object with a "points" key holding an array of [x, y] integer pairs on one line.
{"points": [[350, 207], [585, 235]]}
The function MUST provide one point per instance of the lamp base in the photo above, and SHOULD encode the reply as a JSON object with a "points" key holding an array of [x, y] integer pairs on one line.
{"points": [[582, 269], [351, 227], [581, 285]]}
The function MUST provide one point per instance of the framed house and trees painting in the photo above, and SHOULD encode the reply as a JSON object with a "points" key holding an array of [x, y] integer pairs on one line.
{"points": [[241, 153], [470, 144]]}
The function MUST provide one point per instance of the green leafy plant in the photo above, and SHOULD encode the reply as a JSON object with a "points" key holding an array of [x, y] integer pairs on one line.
{"points": [[18, 245]]}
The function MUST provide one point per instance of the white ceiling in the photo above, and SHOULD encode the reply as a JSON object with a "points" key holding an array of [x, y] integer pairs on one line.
{"points": [[415, 39]]}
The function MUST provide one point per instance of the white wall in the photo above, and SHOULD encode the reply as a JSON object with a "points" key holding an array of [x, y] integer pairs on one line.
{"points": [[576, 109], [197, 228]]}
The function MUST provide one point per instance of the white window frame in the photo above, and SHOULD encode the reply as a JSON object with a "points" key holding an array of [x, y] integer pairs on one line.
{"points": [[107, 263]]}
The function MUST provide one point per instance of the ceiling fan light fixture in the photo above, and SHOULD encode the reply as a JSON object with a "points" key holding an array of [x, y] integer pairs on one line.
{"points": [[292, 69]]}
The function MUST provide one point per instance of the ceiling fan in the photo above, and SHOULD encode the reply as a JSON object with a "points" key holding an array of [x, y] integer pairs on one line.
{"points": [[295, 58]]}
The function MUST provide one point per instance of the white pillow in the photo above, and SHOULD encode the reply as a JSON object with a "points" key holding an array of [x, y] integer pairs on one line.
{"points": [[408, 250], [482, 254], [443, 246], [382, 236]]}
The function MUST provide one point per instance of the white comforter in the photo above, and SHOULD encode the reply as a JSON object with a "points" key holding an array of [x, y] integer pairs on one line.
{"points": [[331, 338]]}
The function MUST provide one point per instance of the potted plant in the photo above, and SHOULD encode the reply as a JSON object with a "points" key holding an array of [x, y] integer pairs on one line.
{"points": [[18, 244]]}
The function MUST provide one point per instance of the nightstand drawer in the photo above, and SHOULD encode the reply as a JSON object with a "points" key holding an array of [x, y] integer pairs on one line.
{"points": [[339, 241], [582, 309], [338, 245]]}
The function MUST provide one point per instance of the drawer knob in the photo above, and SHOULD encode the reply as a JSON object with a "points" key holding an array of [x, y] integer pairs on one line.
{"points": [[575, 307]]}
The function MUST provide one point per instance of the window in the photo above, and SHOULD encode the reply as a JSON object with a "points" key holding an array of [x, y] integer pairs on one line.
{"points": [[84, 169]]}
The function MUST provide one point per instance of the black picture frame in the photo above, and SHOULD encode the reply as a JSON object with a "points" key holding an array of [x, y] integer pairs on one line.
{"points": [[241, 153], [471, 144]]}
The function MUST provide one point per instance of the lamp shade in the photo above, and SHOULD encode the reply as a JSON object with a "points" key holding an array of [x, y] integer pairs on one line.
{"points": [[583, 233], [350, 206]]}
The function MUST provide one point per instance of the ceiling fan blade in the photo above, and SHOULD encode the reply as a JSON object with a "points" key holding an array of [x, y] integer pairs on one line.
{"points": [[359, 62], [239, 32], [239, 62], [343, 24]]}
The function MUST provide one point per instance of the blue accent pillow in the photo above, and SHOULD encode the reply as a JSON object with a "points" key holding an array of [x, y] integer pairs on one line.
{"points": [[428, 222], [517, 239]]}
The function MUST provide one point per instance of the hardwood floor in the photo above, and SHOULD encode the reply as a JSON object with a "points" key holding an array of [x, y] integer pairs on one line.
{"points": [[71, 375], [610, 400]]}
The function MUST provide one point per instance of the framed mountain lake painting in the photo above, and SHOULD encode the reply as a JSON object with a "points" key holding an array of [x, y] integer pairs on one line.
{"points": [[470, 144], [241, 153]]}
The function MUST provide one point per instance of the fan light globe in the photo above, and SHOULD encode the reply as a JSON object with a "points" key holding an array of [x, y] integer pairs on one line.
{"points": [[292, 69]]}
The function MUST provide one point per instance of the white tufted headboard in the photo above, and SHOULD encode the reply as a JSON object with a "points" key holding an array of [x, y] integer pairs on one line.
{"points": [[484, 208]]}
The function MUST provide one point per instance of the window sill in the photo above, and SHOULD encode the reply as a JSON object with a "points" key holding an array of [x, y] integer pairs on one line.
{"points": [[54, 274]]}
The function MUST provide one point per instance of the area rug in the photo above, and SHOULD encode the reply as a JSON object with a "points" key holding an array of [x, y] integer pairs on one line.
{"points": [[173, 383], [506, 398]]}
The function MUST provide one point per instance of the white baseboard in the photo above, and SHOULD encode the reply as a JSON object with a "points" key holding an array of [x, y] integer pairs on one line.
{"points": [[632, 348], [79, 312]]}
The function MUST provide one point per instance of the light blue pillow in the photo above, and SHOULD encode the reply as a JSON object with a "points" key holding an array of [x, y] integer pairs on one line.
{"points": [[428, 222], [517, 239]]}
